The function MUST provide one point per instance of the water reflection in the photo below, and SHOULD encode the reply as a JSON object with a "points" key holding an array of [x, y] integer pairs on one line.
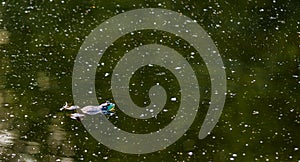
{"points": [[43, 81], [6, 139], [8, 135], [20, 140], [4, 36], [32, 147]]}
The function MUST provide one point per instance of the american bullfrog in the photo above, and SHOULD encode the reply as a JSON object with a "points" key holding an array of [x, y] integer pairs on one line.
{"points": [[106, 108]]}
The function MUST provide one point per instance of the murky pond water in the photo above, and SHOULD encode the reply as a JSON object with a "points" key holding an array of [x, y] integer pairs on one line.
{"points": [[259, 42]]}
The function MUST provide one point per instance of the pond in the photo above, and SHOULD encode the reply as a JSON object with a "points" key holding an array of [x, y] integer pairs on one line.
{"points": [[258, 42]]}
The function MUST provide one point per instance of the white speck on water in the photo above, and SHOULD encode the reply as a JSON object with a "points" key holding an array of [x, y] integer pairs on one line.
{"points": [[190, 153], [173, 99], [216, 92], [106, 74], [255, 112]]}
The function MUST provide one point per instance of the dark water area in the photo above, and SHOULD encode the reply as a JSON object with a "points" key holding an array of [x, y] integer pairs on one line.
{"points": [[259, 42]]}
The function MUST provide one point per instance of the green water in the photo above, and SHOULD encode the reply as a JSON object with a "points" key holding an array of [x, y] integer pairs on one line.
{"points": [[259, 42]]}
